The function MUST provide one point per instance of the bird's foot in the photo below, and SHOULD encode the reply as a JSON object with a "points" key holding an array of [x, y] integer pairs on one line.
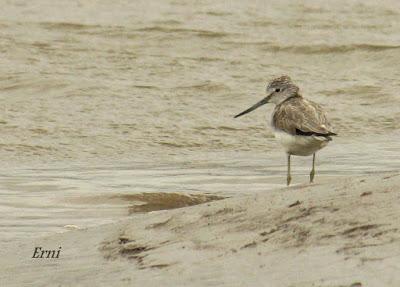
{"points": [[312, 173], [288, 180]]}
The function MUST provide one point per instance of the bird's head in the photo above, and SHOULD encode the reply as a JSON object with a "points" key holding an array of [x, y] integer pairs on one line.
{"points": [[278, 90]]}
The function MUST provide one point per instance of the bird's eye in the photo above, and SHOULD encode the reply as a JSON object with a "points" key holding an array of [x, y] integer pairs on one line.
{"points": [[277, 90]]}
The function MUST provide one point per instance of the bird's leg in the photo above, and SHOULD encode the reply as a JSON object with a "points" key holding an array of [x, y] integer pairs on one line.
{"points": [[289, 178], [312, 173]]}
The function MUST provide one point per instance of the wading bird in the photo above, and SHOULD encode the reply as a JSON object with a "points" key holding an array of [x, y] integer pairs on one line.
{"points": [[301, 125]]}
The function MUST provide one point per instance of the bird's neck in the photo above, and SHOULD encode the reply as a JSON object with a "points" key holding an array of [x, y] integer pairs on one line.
{"points": [[289, 97]]}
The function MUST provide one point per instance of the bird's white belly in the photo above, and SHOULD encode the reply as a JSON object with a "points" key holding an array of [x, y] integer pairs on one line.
{"points": [[300, 145]]}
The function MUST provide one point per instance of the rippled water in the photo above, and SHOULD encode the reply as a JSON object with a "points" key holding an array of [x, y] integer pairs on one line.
{"points": [[97, 96]]}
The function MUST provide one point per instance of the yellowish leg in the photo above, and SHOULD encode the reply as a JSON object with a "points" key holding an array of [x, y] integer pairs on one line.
{"points": [[289, 178], [312, 173]]}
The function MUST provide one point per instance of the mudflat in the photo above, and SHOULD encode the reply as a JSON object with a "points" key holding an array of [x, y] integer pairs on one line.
{"points": [[343, 233]]}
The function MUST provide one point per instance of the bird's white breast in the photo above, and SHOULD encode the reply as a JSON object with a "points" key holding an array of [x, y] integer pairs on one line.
{"points": [[298, 144]]}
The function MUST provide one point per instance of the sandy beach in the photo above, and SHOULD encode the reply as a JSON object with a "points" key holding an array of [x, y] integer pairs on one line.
{"points": [[332, 234]]}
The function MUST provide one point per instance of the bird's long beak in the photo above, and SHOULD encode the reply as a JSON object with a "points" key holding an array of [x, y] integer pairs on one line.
{"points": [[259, 104]]}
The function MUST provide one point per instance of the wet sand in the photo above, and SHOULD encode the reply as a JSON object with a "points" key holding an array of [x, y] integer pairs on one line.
{"points": [[331, 234]]}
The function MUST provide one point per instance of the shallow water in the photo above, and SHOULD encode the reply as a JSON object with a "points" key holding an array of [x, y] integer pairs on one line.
{"points": [[108, 98], [35, 202]]}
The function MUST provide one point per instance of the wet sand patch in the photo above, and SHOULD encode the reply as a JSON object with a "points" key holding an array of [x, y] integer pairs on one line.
{"points": [[152, 201]]}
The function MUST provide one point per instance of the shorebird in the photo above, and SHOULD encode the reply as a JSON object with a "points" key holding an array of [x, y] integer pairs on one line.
{"points": [[301, 125]]}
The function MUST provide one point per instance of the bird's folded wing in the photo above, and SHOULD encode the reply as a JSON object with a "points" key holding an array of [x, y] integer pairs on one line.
{"points": [[302, 117]]}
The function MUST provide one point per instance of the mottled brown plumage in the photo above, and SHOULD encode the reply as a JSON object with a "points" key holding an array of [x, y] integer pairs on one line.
{"points": [[298, 116]]}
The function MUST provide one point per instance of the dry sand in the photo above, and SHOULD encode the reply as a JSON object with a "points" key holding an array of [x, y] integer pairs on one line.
{"points": [[333, 234]]}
